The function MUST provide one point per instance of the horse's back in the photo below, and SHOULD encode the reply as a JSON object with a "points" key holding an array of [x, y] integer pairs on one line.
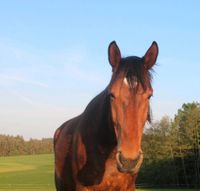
{"points": [[63, 138]]}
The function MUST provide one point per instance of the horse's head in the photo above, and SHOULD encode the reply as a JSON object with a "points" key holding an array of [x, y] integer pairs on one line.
{"points": [[130, 90]]}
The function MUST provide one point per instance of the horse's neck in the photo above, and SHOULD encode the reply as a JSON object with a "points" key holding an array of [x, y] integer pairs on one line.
{"points": [[97, 111], [97, 119]]}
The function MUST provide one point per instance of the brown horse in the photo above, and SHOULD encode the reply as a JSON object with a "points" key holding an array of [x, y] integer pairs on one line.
{"points": [[100, 149]]}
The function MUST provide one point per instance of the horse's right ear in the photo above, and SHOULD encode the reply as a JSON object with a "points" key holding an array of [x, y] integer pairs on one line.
{"points": [[114, 55], [151, 56]]}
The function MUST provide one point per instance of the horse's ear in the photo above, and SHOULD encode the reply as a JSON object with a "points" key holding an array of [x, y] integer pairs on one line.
{"points": [[151, 56], [114, 55]]}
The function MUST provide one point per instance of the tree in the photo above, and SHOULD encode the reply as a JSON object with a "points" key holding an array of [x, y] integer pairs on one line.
{"points": [[187, 125], [187, 122], [172, 150], [16, 145]]}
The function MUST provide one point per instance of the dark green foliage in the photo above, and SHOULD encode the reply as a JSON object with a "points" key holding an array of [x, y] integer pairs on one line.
{"points": [[172, 150], [16, 145]]}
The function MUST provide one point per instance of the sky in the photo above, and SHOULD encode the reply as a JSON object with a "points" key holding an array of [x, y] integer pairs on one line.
{"points": [[53, 57]]}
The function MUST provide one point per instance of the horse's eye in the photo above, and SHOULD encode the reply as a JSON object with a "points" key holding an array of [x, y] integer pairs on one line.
{"points": [[112, 96], [149, 97]]}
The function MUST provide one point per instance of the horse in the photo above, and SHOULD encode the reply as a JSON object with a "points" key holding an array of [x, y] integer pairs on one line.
{"points": [[100, 150]]}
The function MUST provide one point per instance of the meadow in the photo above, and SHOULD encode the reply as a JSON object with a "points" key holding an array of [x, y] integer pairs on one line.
{"points": [[32, 173]]}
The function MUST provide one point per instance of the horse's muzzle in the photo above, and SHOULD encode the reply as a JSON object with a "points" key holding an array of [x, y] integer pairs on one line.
{"points": [[131, 166]]}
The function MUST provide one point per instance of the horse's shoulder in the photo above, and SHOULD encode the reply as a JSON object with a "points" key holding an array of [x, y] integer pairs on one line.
{"points": [[66, 130]]}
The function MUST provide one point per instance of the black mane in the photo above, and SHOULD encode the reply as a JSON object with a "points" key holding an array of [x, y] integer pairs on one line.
{"points": [[134, 70]]}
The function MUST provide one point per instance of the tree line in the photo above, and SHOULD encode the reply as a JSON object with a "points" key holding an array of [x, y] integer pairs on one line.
{"points": [[172, 150], [16, 145]]}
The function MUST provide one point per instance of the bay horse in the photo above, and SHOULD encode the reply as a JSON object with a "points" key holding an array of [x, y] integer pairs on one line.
{"points": [[100, 150]]}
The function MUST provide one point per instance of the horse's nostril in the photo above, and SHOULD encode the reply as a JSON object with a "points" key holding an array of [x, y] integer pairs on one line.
{"points": [[129, 165]]}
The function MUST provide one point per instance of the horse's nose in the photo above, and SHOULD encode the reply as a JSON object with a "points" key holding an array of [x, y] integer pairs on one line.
{"points": [[129, 165]]}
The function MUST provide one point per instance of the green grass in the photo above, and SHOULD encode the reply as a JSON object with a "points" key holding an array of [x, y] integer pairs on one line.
{"points": [[33, 173]]}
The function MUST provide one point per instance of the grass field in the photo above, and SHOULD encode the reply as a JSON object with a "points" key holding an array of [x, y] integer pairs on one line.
{"points": [[27, 173], [32, 173]]}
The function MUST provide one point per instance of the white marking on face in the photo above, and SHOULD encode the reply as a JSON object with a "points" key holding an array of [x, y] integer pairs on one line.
{"points": [[126, 82]]}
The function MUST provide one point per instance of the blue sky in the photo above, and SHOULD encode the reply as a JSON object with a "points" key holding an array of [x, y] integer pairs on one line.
{"points": [[53, 56]]}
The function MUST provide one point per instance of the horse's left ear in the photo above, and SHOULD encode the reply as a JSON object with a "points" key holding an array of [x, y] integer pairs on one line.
{"points": [[151, 56], [114, 55]]}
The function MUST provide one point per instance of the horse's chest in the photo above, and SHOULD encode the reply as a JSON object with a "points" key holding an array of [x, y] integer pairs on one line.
{"points": [[114, 180]]}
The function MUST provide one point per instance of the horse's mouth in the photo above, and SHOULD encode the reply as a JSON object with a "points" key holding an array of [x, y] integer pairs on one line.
{"points": [[127, 165]]}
